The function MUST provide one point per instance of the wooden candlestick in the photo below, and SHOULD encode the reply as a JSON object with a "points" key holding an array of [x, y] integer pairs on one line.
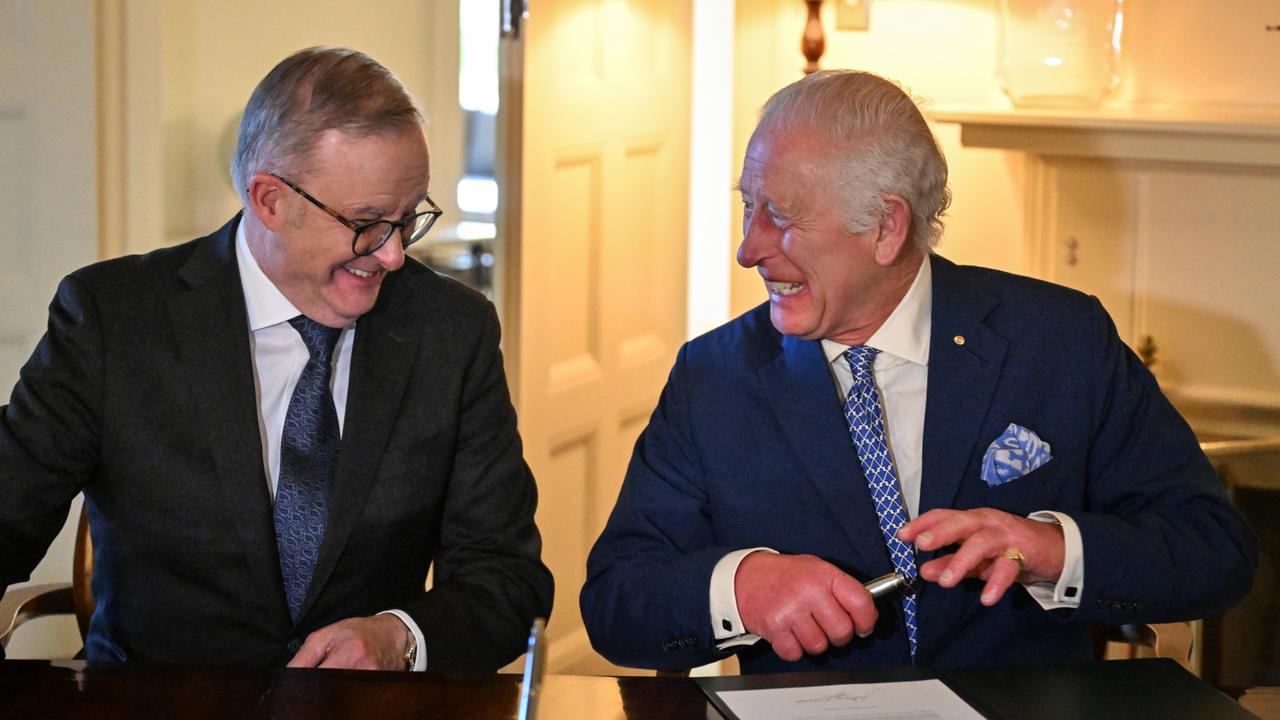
{"points": [[813, 43]]}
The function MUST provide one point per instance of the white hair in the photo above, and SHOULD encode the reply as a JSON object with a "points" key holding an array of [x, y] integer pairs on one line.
{"points": [[880, 144]]}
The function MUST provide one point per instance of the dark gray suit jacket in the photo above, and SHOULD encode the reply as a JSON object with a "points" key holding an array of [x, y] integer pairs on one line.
{"points": [[141, 394]]}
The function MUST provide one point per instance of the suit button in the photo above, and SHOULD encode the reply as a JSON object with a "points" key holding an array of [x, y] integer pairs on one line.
{"points": [[293, 646]]}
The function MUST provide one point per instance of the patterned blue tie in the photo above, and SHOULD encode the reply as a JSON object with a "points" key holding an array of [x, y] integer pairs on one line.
{"points": [[308, 461], [866, 427]]}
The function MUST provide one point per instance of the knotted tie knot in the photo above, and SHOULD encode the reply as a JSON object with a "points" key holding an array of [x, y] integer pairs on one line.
{"points": [[861, 359], [319, 339]]}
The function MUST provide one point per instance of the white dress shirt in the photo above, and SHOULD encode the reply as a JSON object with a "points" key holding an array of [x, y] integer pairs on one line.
{"points": [[279, 355], [901, 374]]}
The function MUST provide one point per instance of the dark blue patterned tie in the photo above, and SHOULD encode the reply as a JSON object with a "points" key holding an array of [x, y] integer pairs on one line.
{"points": [[866, 427], [308, 460]]}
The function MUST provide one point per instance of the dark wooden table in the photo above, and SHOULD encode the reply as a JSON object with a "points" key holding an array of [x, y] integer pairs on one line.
{"points": [[37, 690]]}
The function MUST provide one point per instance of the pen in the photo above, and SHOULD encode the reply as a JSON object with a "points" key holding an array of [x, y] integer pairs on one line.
{"points": [[534, 665], [885, 584]]}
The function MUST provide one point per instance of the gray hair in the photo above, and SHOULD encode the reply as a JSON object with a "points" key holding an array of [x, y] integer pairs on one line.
{"points": [[881, 144], [308, 93]]}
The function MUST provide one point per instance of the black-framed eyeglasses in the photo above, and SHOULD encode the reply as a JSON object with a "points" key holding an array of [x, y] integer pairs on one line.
{"points": [[373, 235]]}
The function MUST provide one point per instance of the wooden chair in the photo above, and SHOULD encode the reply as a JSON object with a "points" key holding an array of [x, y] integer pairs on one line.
{"points": [[22, 605], [1181, 642]]}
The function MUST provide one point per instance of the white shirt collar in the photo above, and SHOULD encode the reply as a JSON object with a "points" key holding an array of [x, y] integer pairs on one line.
{"points": [[265, 303], [905, 333]]}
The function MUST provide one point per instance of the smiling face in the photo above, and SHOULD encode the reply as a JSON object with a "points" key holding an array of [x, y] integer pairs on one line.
{"points": [[305, 252], [823, 280]]}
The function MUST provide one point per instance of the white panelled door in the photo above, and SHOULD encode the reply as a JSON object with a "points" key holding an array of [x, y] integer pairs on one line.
{"points": [[597, 281]]}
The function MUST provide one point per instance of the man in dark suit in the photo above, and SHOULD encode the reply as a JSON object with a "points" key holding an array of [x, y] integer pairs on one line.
{"points": [[986, 437], [278, 428]]}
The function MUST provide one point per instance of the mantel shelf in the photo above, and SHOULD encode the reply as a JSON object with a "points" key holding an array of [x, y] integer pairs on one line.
{"points": [[1241, 137]]}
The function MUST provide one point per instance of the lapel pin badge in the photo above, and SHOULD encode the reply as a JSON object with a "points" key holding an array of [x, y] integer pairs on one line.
{"points": [[959, 339]]}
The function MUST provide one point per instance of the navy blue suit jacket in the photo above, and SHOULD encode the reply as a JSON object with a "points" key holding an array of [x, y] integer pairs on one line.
{"points": [[748, 447]]}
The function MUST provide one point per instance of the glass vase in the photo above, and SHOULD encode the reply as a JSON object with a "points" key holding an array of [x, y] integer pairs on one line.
{"points": [[1059, 53]]}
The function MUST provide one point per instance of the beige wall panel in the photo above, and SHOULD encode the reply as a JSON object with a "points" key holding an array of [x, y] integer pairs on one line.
{"points": [[1208, 282], [1225, 56], [985, 223], [213, 54], [49, 212], [18, 331], [13, 22]]}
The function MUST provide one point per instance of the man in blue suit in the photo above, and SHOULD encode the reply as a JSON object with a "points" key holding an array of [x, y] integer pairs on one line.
{"points": [[986, 436]]}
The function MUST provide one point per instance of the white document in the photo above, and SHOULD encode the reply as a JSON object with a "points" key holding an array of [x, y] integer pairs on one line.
{"points": [[913, 700]]}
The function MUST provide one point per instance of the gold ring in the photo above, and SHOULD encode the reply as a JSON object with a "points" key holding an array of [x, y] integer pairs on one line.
{"points": [[1016, 555]]}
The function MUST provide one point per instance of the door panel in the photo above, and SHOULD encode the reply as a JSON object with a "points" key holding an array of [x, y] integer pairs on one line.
{"points": [[598, 294], [1091, 224]]}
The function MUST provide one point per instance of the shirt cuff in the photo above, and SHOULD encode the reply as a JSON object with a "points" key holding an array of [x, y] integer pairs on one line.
{"points": [[1070, 586], [420, 663], [726, 623]]}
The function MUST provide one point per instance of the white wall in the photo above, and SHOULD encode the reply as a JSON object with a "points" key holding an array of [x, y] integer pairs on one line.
{"points": [[213, 54], [48, 204], [1200, 53], [711, 165]]}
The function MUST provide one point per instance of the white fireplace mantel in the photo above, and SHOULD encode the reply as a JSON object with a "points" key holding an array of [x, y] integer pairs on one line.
{"points": [[1233, 137], [1169, 218]]}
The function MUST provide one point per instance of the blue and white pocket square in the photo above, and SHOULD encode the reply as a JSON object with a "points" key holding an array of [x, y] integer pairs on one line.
{"points": [[1015, 453]]}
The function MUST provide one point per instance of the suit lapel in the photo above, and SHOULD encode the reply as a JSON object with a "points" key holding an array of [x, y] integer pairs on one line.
{"points": [[211, 332], [386, 340], [965, 359], [802, 395]]}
